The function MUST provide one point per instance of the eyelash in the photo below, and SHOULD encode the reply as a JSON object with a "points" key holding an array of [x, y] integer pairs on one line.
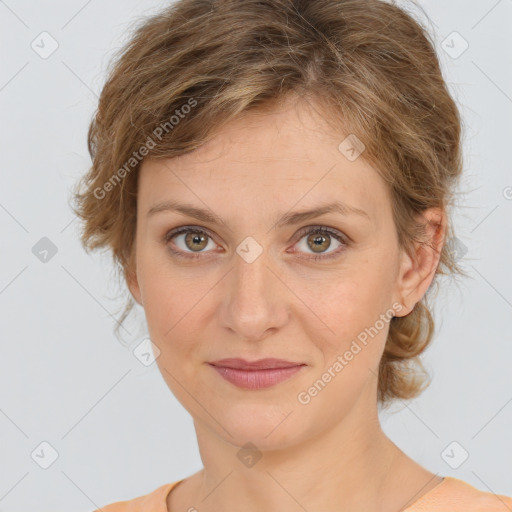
{"points": [[305, 231]]}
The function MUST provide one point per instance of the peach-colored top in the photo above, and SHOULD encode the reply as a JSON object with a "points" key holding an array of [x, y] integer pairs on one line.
{"points": [[450, 495]]}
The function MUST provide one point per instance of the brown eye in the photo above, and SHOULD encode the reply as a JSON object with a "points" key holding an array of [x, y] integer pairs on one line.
{"points": [[188, 241], [196, 241], [318, 242]]}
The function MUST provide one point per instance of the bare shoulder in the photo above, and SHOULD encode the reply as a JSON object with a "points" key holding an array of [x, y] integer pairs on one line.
{"points": [[459, 496], [154, 501]]}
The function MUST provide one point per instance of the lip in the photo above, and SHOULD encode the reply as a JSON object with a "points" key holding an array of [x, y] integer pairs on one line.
{"points": [[260, 374], [260, 364]]}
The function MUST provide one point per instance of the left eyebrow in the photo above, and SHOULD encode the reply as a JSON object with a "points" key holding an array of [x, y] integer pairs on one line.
{"points": [[287, 219], [337, 207]]}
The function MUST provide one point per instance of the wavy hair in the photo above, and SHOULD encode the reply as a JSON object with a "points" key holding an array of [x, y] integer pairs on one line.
{"points": [[198, 64]]}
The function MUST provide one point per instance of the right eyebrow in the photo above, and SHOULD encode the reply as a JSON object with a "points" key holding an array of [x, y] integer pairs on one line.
{"points": [[186, 209]]}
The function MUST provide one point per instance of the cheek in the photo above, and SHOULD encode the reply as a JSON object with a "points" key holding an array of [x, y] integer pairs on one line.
{"points": [[160, 292], [171, 308], [163, 291], [350, 309], [349, 350], [173, 305]]}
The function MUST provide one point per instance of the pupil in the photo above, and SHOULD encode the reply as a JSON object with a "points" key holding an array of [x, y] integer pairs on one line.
{"points": [[195, 239], [318, 241]]}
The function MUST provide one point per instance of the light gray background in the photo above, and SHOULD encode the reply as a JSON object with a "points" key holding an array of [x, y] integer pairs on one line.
{"points": [[65, 378]]}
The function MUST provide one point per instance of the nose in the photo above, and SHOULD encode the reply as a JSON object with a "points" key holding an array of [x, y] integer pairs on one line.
{"points": [[255, 302]]}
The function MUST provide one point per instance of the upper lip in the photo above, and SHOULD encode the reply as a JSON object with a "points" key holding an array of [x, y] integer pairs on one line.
{"points": [[260, 364]]}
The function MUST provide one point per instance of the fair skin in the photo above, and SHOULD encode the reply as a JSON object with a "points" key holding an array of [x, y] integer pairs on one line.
{"points": [[331, 453]]}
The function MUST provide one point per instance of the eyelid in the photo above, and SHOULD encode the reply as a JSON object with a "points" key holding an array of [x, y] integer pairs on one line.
{"points": [[340, 236], [172, 233], [300, 233], [185, 229], [322, 227], [344, 240]]}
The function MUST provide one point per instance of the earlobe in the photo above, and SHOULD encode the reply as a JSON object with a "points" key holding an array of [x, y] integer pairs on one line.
{"points": [[417, 270]]}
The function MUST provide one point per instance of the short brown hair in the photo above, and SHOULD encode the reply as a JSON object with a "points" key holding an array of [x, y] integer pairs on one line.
{"points": [[201, 63]]}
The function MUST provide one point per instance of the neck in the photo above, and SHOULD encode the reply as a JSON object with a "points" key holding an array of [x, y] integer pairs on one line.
{"points": [[351, 466]]}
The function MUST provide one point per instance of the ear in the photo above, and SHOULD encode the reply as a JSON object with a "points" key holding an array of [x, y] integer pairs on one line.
{"points": [[418, 270]]}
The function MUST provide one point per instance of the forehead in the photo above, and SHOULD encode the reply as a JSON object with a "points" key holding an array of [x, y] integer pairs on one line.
{"points": [[288, 156], [288, 132]]}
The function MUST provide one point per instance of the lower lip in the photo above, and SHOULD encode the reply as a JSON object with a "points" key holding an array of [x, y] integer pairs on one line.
{"points": [[257, 379]]}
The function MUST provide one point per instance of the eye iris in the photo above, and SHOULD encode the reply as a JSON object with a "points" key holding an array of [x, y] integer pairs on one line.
{"points": [[195, 238], [318, 240]]}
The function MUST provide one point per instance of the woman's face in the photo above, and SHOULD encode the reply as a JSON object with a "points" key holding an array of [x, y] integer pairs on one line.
{"points": [[256, 281]]}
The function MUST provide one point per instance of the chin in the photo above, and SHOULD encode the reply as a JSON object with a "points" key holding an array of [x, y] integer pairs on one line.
{"points": [[267, 427], [252, 439]]}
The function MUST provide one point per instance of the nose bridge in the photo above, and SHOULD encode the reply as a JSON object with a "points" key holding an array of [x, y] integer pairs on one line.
{"points": [[253, 305]]}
